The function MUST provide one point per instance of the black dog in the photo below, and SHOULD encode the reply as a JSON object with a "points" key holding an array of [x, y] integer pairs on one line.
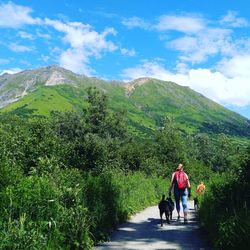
{"points": [[196, 203], [164, 209], [171, 207]]}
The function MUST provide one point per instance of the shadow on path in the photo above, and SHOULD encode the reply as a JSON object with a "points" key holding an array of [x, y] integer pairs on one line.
{"points": [[143, 231]]}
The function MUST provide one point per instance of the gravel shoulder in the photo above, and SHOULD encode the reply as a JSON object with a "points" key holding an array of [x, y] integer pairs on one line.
{"points": [[143, 231]]}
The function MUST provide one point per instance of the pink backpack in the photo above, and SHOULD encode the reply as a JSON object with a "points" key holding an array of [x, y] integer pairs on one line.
{"points": [[181, 179]]}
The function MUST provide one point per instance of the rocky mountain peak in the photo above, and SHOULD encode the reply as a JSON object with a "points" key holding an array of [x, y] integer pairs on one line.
{"points": [[130, 86], [15, 86]]}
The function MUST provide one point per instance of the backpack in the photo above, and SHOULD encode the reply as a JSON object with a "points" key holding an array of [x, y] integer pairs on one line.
{"points": [[181, 179]]}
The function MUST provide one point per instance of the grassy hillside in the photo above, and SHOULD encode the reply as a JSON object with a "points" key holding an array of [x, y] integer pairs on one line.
{"points": [[146, 105], [191, 110]]}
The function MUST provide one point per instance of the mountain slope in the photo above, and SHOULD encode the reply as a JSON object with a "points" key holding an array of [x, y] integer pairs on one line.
{"points": [[189, 108], [146, 100]]}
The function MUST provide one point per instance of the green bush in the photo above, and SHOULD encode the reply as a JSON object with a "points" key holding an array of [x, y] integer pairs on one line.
{"points": [[233, 231], [113, 196], [225, 209], [21, 234], [45, 209], [68, 180], [10, 173]]}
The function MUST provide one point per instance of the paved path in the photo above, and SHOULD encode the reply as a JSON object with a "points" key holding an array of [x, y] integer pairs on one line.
{"points": [[143, 231]]}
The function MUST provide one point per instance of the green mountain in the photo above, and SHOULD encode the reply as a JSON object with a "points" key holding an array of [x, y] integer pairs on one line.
{"points": [[147, 101]]}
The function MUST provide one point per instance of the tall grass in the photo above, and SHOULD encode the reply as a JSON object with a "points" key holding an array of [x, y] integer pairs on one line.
{"points": [[55, 208], [113, 196], [225, 210]]}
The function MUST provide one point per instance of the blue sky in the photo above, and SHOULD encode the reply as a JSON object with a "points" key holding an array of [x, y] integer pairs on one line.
{"points": [[201, 44]]}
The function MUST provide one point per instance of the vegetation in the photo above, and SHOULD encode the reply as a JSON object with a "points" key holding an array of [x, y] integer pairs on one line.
{"points": [[68, 179], [145, 101], [225, 208]]}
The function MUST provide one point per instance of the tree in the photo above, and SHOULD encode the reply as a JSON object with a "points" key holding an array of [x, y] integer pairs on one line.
{"points": [[97, 110], [205, 149], [170, 146]]}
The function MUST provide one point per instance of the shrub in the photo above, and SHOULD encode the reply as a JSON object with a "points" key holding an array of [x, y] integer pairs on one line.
{"points": [[21, 234], [113, 196], [225, 209]]}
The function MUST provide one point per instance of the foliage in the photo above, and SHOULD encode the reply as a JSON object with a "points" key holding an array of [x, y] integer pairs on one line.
{"points": [[67, 180], [21, 234], [146, 104], [112, 197], [225, 208], [170, 145]]}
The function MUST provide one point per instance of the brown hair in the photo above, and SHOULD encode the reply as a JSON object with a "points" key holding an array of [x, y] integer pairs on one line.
{"points": [[179, 167]]}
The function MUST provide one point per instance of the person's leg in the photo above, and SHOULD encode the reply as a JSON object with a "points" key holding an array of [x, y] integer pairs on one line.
{"points": [[184, 204], [177, 202]]}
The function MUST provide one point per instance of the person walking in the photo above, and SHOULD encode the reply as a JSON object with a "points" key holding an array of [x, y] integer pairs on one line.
{"points": [[182, 190], [199, 192], [200, 188]]}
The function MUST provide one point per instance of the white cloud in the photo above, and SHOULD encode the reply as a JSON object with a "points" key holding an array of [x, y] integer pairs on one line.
{"points": [[77, 61], [232, 20], [200, 39], [19, 48], [128, 52], [43, 35], [25, 35], [182, 67], [10, 71], [135, 22], [15, 16], [80, 35], [84, 43], [199, 47], [238, 66], [45, 58], [146, 69], [216, 85], [185, 24]]}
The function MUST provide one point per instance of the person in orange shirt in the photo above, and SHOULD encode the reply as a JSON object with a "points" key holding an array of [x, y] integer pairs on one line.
{"points": [[199, 190]]}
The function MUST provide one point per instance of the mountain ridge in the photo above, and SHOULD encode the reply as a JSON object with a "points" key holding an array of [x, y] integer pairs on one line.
{"points": [[146, 100]]}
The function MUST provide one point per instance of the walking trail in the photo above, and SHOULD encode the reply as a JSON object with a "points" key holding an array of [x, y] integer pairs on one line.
{"points": [[143, 231]]}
